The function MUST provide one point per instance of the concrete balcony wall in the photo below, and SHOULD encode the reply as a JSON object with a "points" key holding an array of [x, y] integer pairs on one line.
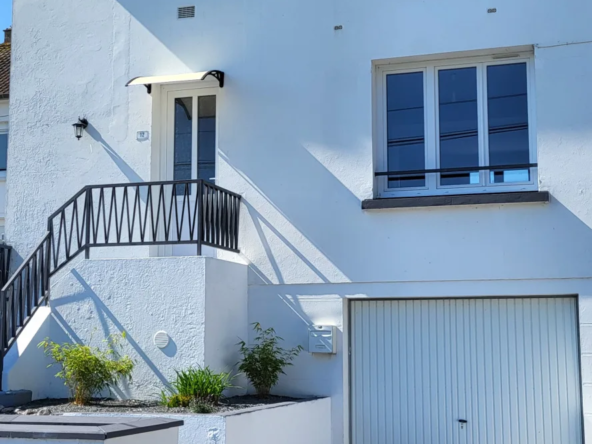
{"points": [[200, 302]]}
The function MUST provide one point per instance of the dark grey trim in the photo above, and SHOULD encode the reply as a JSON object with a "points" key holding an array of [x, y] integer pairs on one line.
{"points": [[80, 428], [4, 96], [457, 199]]}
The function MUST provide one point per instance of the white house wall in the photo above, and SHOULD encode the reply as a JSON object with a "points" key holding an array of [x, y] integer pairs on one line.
{"points": [[295, 139], [141, 297], [295, 128]]}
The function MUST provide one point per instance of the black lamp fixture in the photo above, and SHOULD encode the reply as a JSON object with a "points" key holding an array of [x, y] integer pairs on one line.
{"points": [[79, 127]]}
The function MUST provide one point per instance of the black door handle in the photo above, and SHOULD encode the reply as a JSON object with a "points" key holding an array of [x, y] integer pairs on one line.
{"points": [[462, 421]]}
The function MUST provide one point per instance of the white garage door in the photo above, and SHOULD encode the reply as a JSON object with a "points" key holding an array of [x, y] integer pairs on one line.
{"points": [[508, 367]]}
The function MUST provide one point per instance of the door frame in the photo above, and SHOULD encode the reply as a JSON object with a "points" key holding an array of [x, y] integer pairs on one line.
{"points": [[163, 168], [167, 91], [347, 355]]}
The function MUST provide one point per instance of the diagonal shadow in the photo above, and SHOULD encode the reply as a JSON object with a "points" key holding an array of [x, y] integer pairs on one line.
{"points": [[125, 168], [104, 314]]}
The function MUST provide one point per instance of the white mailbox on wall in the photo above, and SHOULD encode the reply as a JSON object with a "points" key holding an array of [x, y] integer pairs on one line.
{"points": [[321, 339]]}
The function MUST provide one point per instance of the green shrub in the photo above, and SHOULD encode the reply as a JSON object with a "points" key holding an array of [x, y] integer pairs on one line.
{"points": [[200, 385], [86, 370], [177, 400], [265, 361]]}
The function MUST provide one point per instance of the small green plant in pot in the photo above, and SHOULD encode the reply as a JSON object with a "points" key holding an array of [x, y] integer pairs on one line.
{"points": [[197, 388], [263, 362], [86, 370]]}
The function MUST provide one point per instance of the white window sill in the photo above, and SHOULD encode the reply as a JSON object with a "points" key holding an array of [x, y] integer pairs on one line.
{"points": [[457, 199]]}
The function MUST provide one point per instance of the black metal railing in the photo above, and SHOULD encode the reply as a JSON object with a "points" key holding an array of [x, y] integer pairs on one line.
{"points": [[24, 292], [402, 173], [147, 213], [128, 214], [5, 253]]}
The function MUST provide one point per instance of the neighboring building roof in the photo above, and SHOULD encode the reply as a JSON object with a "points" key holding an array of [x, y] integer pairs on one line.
{"points": [[5, 69]]}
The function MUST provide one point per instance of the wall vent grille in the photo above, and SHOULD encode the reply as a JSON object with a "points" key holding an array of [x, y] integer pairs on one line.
{"points": [[186, 12]]}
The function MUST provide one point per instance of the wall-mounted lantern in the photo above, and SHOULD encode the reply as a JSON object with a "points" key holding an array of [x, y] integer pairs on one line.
{"points": [[79, 127]]}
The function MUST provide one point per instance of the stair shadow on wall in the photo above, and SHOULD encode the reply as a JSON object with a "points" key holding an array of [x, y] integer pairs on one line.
{"points": [[105, 316]]}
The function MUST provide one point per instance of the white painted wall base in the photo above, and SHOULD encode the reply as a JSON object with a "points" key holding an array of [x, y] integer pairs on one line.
{"points": [[25, 366], [292, 423], [200, 302]]}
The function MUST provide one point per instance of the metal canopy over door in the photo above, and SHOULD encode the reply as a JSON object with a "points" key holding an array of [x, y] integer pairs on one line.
{"points": [[190, 147], [508, 367]]}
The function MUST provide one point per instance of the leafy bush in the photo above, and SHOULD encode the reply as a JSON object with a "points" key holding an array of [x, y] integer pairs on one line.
{"points": [[200, 386], [176, 400], [86, 370], [263, 362]]}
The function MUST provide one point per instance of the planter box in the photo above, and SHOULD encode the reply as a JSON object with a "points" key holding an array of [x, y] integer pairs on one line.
{"points": [[287, 423], [17, 429]]}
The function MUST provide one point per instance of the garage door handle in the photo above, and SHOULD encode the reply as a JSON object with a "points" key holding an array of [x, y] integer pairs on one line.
{"points": [[462, 421]]}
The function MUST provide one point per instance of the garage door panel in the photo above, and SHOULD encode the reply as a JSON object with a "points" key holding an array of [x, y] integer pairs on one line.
{"points": [[510, 367]]}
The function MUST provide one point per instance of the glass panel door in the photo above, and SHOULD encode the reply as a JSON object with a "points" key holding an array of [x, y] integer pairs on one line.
{"points": [[206, 138], [182, 140], [190, 153]]}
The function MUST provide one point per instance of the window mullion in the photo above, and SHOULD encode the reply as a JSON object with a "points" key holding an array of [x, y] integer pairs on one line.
{"points": [[194, 130], [431, 103], [483, 126], [381, 130]]}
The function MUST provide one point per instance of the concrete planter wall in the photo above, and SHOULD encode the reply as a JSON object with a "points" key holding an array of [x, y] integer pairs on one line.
{"points": [[287, 423]]}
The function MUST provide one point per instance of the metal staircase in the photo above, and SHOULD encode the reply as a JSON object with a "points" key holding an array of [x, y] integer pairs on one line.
{"points": [[118, 215]]}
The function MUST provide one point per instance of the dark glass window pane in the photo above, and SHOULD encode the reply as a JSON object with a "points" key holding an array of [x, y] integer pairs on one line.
{"points": [[405, 128], [3, 151], [459, 143], [507, 109], [206, 138], [182, 140]]}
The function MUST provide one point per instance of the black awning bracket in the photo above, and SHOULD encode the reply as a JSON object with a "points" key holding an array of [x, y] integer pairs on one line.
{"points": [[218, 75], [149, 81]]}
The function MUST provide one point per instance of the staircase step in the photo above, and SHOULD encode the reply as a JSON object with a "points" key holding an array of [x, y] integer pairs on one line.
{"points": [[15, 398]]}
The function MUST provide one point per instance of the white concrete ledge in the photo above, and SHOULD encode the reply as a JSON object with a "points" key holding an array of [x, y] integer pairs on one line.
{"points": [[286, 423]]}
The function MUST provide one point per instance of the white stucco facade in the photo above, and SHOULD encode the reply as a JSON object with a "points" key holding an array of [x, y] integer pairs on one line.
{"points": [[295, 139], [99, 298]]}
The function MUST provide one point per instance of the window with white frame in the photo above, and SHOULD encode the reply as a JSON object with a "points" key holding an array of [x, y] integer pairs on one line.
{"points": [[456, 126], [3, 145]]}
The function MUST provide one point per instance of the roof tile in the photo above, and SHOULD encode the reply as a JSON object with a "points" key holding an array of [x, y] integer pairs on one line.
{"points": [[4, 69]]}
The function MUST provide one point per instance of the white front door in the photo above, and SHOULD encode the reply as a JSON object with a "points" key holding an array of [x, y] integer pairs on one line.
{"points": [[190, 147], [465, 371]]}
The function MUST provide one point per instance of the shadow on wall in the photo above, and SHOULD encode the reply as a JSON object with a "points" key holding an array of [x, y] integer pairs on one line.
{"points": [[259, 222], [106, 320], [127, 170], [306, 161], [311, 374], [318, 213], [291, 315]]}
